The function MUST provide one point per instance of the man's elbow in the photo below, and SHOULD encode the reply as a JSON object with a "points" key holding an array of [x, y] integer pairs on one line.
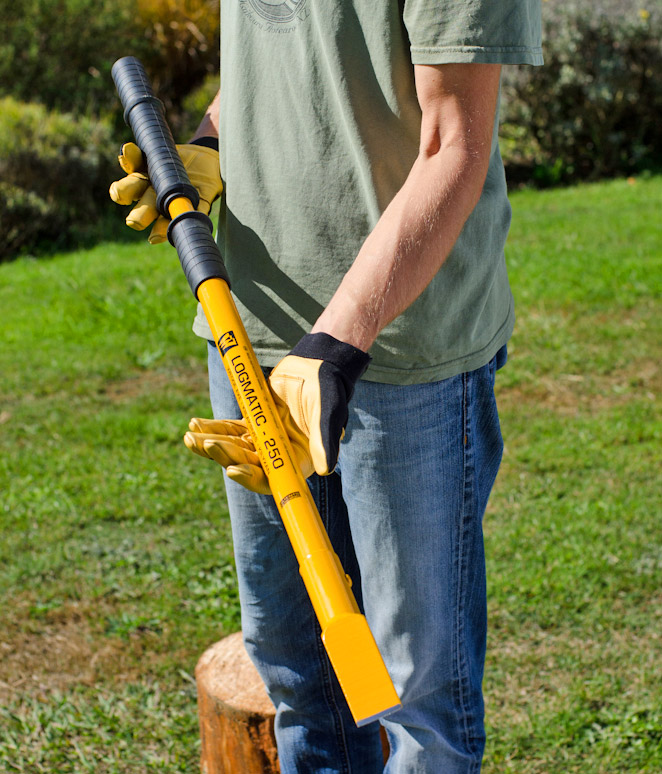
{"points": [[465, 162]]}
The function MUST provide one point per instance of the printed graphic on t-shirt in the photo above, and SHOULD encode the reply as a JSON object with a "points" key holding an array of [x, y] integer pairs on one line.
{"points": [[275, 15]]}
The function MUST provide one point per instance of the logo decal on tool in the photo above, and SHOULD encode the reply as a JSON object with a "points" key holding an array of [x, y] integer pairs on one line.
{"points": [[226, 342], [289, 497]]}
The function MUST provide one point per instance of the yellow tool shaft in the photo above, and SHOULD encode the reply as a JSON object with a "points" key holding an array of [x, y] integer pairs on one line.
{"points": [[347, 638], [179, 206], [320, 567], [345, 632]]}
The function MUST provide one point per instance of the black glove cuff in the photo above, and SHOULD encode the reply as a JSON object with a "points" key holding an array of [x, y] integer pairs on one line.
{"points": [[349, 360], [207, 142]]}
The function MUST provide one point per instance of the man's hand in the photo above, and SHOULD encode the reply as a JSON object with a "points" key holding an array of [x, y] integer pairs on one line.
{"points": [[201, 164], [316, 382], [312, 387]]}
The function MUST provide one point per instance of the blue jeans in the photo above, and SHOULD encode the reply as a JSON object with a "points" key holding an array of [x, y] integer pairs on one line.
{"points": [[404, 512]]}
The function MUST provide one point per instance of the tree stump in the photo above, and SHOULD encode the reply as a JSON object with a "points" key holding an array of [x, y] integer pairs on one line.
{"points": [[236, 715]]}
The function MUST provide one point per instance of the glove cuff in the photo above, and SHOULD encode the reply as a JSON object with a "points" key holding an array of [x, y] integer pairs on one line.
{"points": [[349, 360], [206, 142]]}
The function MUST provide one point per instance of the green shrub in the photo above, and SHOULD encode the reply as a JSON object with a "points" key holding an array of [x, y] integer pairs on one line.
{"points": [[56, 55], [60, 52], [595, 108], [55, 171]]}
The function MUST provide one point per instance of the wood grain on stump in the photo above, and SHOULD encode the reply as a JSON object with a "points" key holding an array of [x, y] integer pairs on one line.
{"points": [[236, 715]]}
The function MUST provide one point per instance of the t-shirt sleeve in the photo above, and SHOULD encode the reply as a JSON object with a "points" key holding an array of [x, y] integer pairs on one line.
{"points": [[483, 31]]}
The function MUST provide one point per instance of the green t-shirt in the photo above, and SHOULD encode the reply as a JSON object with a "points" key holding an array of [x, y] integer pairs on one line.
{"points": [[320, 126]]}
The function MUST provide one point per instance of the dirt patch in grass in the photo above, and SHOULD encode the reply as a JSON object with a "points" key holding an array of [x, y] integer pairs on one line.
{"points": [[52, 659], [136, 384], [567, 394], [193, 381], [66, 647]]}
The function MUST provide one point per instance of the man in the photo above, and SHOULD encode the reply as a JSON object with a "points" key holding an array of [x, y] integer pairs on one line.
{"points": [[365, 211]]}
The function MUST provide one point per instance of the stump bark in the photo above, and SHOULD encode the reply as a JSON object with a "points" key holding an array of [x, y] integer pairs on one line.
{"points": [[236, 715]]}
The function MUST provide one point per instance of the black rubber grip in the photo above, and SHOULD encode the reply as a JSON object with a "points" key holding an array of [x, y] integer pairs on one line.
{"points": [[191, 234], [145, 114]]}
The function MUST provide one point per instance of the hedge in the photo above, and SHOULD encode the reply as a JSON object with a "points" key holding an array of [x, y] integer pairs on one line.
{"points": [[595, 108], [59, 52], [55, 171]]}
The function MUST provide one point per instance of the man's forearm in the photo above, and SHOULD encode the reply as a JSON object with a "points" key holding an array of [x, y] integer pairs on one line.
{"points": [[209, 125], [418, 229], [406, 248]]}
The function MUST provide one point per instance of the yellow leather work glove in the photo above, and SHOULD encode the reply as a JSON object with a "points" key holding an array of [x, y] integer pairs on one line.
{"points": [[201, 164], [312, 387], [228, 442]]}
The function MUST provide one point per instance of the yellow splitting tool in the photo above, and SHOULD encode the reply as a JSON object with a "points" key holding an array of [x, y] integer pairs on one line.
{"points": [[347, 638]]}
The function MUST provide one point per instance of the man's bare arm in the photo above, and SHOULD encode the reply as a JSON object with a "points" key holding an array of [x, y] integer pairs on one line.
{"points": [[421, 224]]}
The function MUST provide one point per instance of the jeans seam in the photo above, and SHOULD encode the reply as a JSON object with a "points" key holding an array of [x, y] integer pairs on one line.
{"points": [[327, 677], [460, 643]]}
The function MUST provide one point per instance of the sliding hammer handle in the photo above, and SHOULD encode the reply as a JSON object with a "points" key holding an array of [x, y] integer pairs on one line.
{"points": [[145, 114], [190, 231]]}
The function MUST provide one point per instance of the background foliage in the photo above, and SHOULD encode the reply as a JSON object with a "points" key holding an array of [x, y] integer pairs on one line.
{"points": [[59, 52], [593, 111], [54, 173], [181, 49], [60, 120]]}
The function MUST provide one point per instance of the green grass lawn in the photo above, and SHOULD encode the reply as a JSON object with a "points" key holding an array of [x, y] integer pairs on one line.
{"points": [[116, 567]]}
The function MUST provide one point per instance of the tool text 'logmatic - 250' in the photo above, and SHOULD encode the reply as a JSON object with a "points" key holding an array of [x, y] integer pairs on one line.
{"points": [[254, 406]]}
